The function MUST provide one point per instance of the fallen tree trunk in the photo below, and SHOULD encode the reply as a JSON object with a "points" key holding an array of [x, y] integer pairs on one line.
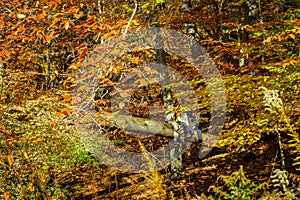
{"points": [[125, 122], [138, 124]]}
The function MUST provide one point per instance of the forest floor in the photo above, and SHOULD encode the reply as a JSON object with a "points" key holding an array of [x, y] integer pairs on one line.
{"points": [[86, 182], [39, 152]]}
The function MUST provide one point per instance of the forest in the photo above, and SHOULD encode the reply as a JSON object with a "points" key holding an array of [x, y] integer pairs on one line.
{"points": [[150, 99]]}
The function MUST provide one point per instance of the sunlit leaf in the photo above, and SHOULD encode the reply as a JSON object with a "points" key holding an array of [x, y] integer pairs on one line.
{"points": [[68, 98], [268, 40], [26, 156], [58, 114], [67, 25], [6, 195], [136, 60], [10, 160], [53, 122]]}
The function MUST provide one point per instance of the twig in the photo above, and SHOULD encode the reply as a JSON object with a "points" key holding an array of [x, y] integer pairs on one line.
{"points": [[135, 9]]}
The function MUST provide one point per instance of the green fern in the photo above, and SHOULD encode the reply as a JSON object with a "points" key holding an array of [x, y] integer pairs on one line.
{"points": [[240, 187]]}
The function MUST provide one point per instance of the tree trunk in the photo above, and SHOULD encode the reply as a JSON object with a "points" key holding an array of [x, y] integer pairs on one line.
{"points": [[137, 124]]}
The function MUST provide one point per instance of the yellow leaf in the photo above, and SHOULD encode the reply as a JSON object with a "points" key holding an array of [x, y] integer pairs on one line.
{"points": [[67, 25], [58, 15], [268, 40], [292, 36], [77, 16], [136, 60], [26, 156], [101, 101], [135, 22], [47, 71]]}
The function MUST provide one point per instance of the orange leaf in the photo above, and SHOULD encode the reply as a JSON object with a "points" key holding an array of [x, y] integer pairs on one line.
{"points": [[53, 122], [10, 160], [9, 143], [75, 66], [58, 114], [66, 111], [136, 60], [77, 16], [142, 82], [67, 25], [6, 195], [68, 98], [31, 187], [53, 5]]}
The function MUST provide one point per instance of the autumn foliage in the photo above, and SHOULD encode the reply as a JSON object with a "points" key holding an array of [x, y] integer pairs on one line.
{"points": [[44, 43]]}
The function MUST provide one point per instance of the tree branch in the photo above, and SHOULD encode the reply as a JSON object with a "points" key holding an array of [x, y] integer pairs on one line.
{"points": [[131, 18]]}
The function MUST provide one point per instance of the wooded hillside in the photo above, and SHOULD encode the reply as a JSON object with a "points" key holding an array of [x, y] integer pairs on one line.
{"points": [[84, 81]]}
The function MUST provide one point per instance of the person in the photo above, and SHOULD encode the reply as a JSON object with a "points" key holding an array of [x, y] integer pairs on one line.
{"points": [[189, 119], [183, 132]]}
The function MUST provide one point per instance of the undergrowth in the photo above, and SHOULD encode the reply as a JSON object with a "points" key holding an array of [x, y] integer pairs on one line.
{"points": [[239, 187], [274, 105], [153, 179], [35, 147]]}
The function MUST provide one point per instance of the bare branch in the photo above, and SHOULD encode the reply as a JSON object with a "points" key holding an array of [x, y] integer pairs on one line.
{"points": [[131, 18]]}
